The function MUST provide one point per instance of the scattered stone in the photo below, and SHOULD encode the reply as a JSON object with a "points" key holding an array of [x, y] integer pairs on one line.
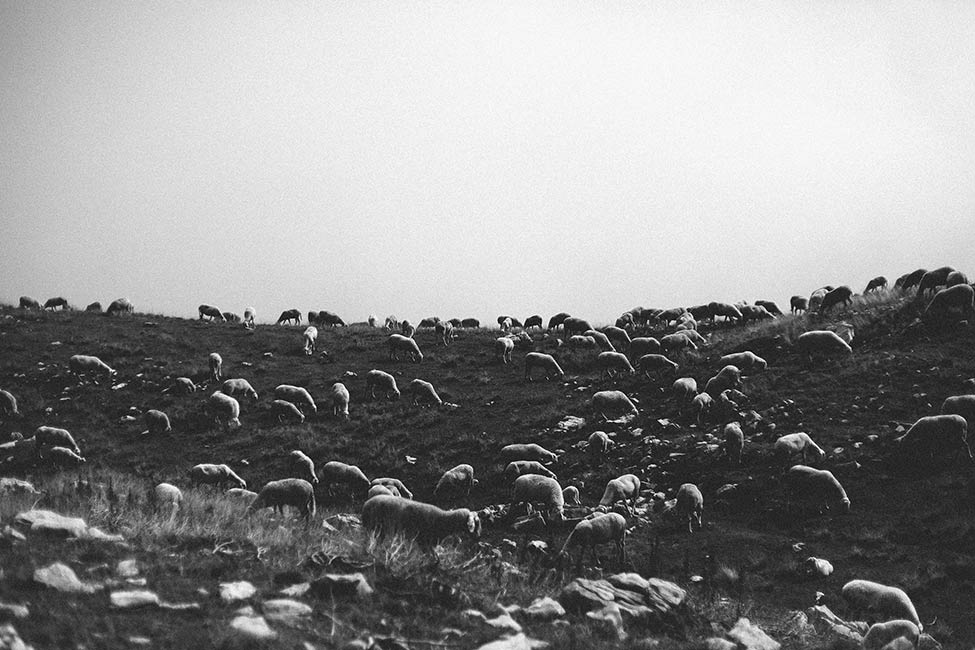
{"points": [[516, 642], [16, 486], [233, 591], [285, 610], [352, 586], [570, 423], [127, 568], [9, 610], [610, 615], [653, 602], [296, 590], [10, 640], [252, 628], [752, 637], [51, 523], [140, 640], [62, 578], [716, 643], [544, 609], [134, 599]]}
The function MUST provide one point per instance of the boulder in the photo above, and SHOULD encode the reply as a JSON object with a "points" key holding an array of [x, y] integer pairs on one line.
{"points": [[656, 604], [544, 609], [61, 577], [10, 640], [515, 642], [134, 599], [751, 637], [286, 611], [233, 591]]}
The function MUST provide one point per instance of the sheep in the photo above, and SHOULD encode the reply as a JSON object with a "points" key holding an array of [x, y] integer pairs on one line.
{"points": [[516, 468], [325, 317], [470, 323], [444, 332], [61, 457], [249, 314], [184, 385], [798, 304], [242, 495], [886, 602], [215, 362], [394, 483], [210, 311], [933, 434], [295, 492], [397, 343], [571, 325], [694, 336], [728, 377], [754, 313], [455, 480], [231, 317], [580, 341], [157, 422], [877, 284], [644, 345], [618, 336], [791, 443], [94, 308], [297, 396], [701, 406], [285, 410], [671, 315], [55, 303], [676, 342], [881, 634], [338, 473], [26, 302], [911, 279], [612, 401], [407, 329], [384, 382], [570, 495], [816, 298], [423, 392], [730, 312], [686, 322], [387, 490], [289, 315], [238, 386], [599, 443], [839, 296], [303, 466], [533, 321], [218, 475], [55, 437], [934, 279], [507, 322], [649, 364], [685, 389], [769, 306], [818, 486], [529, 451], [391, 323], [601, 340], [544, 361], [623, 488], [818, 566], [821, 342], [225, 410], [428, 524], [558, 320], [339, 395], [168, 496], [8, 404], [963, 405], [954, 278], [614, 363], [958, 301], [734, 442], [82, 364], [534, 488], [503, 347], [603, 528], [120, 306], [310, 337], [748, 362], [690, 506]]}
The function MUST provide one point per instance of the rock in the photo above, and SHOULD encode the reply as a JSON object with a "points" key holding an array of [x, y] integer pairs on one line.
{"points": [[62, 578], [716, 643], [296, 590], [233, 591], [134, 599], [97, 535], [140, 640], [9, 610], [504, 622], [752, 637], [612, 617], [570, 423], [51, 523], [515, 642], [127, 568], [16, 486], [285, 610], [10, 640], [583, 595], [655, 603], [252, 629], [544, 609], [344, 521], [352, 586], [827, 624]]}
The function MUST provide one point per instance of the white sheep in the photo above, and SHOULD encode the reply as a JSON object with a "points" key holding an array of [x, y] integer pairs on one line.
{"points": [[456, 480], [818, 486], [225, 410], [295, 492], [800, 443], [83, 364], [685, 390], [120, 306], [157, 422], [527, 451], [215, 362], [644, 345], [238, 386], [240, 494], [249, 315], [571, 325], [297, 396], [339, 395], [395, 483], [727, 310], [816, 299], [881, 634], [701, 406], [536, 489], [818, 566], [868, 597], [692, 334], [61, 457], [284, 410], [653, 363], [310, 337], [184, 385], [445, 332], [168, 497], [602, 528], [544, 361], [690, 505], [601, 340], [599, 443], [614, 363], [391, 324], [618, 336], [338, 473], [503, 347], [212, 312], [936, 433], [219, 475], [614, 402], [423, 392], [748, 362], [54, 437], [822, 342], [728, 377], [580, 341], [387, 490], [8, 404], [624, 488], [963, 405], [303, 466], [517, 468], [397, 343], [734, 442], [428, 524], [676, 342], [957, 301], [384, 382], [570, 495], [26, 302]]}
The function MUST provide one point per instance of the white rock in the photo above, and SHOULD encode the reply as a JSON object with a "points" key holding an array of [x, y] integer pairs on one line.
{"points": [[253, 627], [752, 637], [233, 591], [612, 616], [544, 609], [285, 610], [134, 599], [10, 640], [516, 642], [62, 578]]}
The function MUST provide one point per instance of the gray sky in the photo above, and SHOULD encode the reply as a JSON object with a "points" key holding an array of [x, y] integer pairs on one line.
{"points": [[471, 159]]}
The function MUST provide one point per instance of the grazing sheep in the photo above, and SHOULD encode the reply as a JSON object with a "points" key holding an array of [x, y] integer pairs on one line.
{"points": [[55, 437], [339, 395], [963, 405], [338, 473], [934, 279], [215, 362], [225, 410], [284, 410], [570, 495], [822, 342], [653, 363], [325, 317], [754, 313], [242, 495], [507, 322], [423, 392], [818, 486], [26, 302], [231, 317], [748, 362], [798, 304], [602, 528], [289, 315], [456, 480], [428, 524], [56, 303], [671, 315], [818, 566], [694, 336], [536, 489], [94, 308], [391, 323], [213, 313], [249, 314], [877, 284], [529, 451], [168, 497], [618, 337], [614, 363], [935, 433], [544, 361], [533, 321], [728, 377], [957, 301], [911, 280], [394, 483], [624, 488], [558, 320], [384, 382], [644, 345], [686, 322], [601, 340], [690, 506], [701, 406], [239, 386], [218, 475], [599, 443], [445, 332], [676, 342], [572, 325], [769, 306], [8, 404], [310, 336], [955, 277], [839, 296], [398, 343], [83, 364], [685, 390], [580, 341], [61, 457], [734, 442], [817, 296], [517, 468], [503, 347], [184, 385], [120, 306], [295, 492], [881, 634], [157, 422], [297, 396], [800, 442], [470, 323], [868, 597], [728, 311], [303, 466], [407, 329], [385, 490], [614, 402]]}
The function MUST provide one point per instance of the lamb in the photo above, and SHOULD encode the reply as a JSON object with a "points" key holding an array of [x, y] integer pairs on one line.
{"points": [[623, 488], [310, 337], [239, 386], [818, 566], [822, 342], [26, 302], [734, 442], [339, 395], [652, 363], [614, 363], [934, 279], [535, 489], [458, 479], [676, 342], [571, 325], [601, 529], [61, 457], [295, 492], [730, 312], [120, 306], [936, 433], [601, 340], [701, 406], [818, 486], [769, 306], [598, 444], [168, 497], [503, 347], [423, 392], [865, 596], [210, 311], [338, 473], [955, 277], [215, 362], [754, 312], [911, 280], [644, 345], [218, 475], [957, 301], [55, 303], [394, 483], [963, 405], [289, 315], [284, 410], [728, 377], [157, 422], [445, 332], [881, 634], [798, 304], [558, 320], [184, 385], [55, 437], [614, 402], [748, 362], [839, 296], [530, 451], [685, 390], [297, 396], [225, 410], [544, 361], [249, 314], [533, 321], [398, 343], [303, 466], [470, 323], [877, 284], [82, 364], [8, 404], [517, 468], [690, 505], [384, 382], [800, 442], [428, 524]]}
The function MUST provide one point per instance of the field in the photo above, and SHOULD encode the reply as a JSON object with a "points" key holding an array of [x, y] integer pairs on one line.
{"points": [[912, 524]]}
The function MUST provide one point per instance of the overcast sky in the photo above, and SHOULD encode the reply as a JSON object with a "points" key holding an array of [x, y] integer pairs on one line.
{"points": [[478, 158]]}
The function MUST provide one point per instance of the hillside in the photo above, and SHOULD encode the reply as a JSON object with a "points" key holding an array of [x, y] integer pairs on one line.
{"points": [[912, 524]]}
